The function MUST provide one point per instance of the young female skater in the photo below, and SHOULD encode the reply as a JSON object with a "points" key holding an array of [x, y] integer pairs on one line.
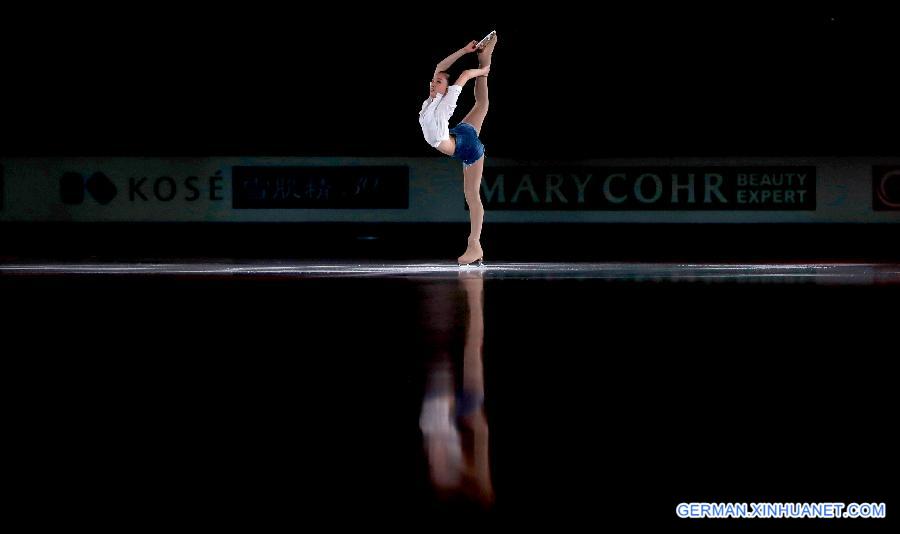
{"points": [[461, 141]]}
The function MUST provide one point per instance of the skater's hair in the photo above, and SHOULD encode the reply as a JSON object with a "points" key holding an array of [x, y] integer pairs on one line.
{"points": [[445, 73]]}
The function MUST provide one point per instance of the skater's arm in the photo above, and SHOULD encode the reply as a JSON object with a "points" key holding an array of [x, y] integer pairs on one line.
{"points": [[448, 103], [451, 59], [471, 73]]}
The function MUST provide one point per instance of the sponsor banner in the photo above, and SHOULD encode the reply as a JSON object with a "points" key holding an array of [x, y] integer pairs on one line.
{"points": [[415, 190], [787, 188], [319, 187]]}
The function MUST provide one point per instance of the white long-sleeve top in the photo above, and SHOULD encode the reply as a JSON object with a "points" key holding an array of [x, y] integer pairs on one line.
{"points": [[435, 115]]}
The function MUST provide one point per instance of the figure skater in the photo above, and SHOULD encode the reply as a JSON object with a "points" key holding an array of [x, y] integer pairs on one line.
{"points": [[461, 141]]}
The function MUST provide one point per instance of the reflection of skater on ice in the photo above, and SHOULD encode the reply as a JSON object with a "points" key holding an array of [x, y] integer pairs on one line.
{"points": [[453, 421]]}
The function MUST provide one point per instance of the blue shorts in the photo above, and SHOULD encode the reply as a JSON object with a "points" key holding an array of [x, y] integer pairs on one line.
{"points": [[468, 147]]}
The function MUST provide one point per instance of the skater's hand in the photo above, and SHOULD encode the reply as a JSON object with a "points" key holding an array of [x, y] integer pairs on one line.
{"points": [[468, 74], [471, 47], [474, 73]]}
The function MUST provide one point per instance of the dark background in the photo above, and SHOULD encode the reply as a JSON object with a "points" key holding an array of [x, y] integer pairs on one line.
{"points": [[568, 81]]}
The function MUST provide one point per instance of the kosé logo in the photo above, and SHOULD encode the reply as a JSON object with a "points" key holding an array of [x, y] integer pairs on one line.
{"points": [[72, 186]]}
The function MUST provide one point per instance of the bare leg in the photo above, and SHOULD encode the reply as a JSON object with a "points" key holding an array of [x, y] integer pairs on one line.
{"points": [[472, 188], [476, 116]]}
